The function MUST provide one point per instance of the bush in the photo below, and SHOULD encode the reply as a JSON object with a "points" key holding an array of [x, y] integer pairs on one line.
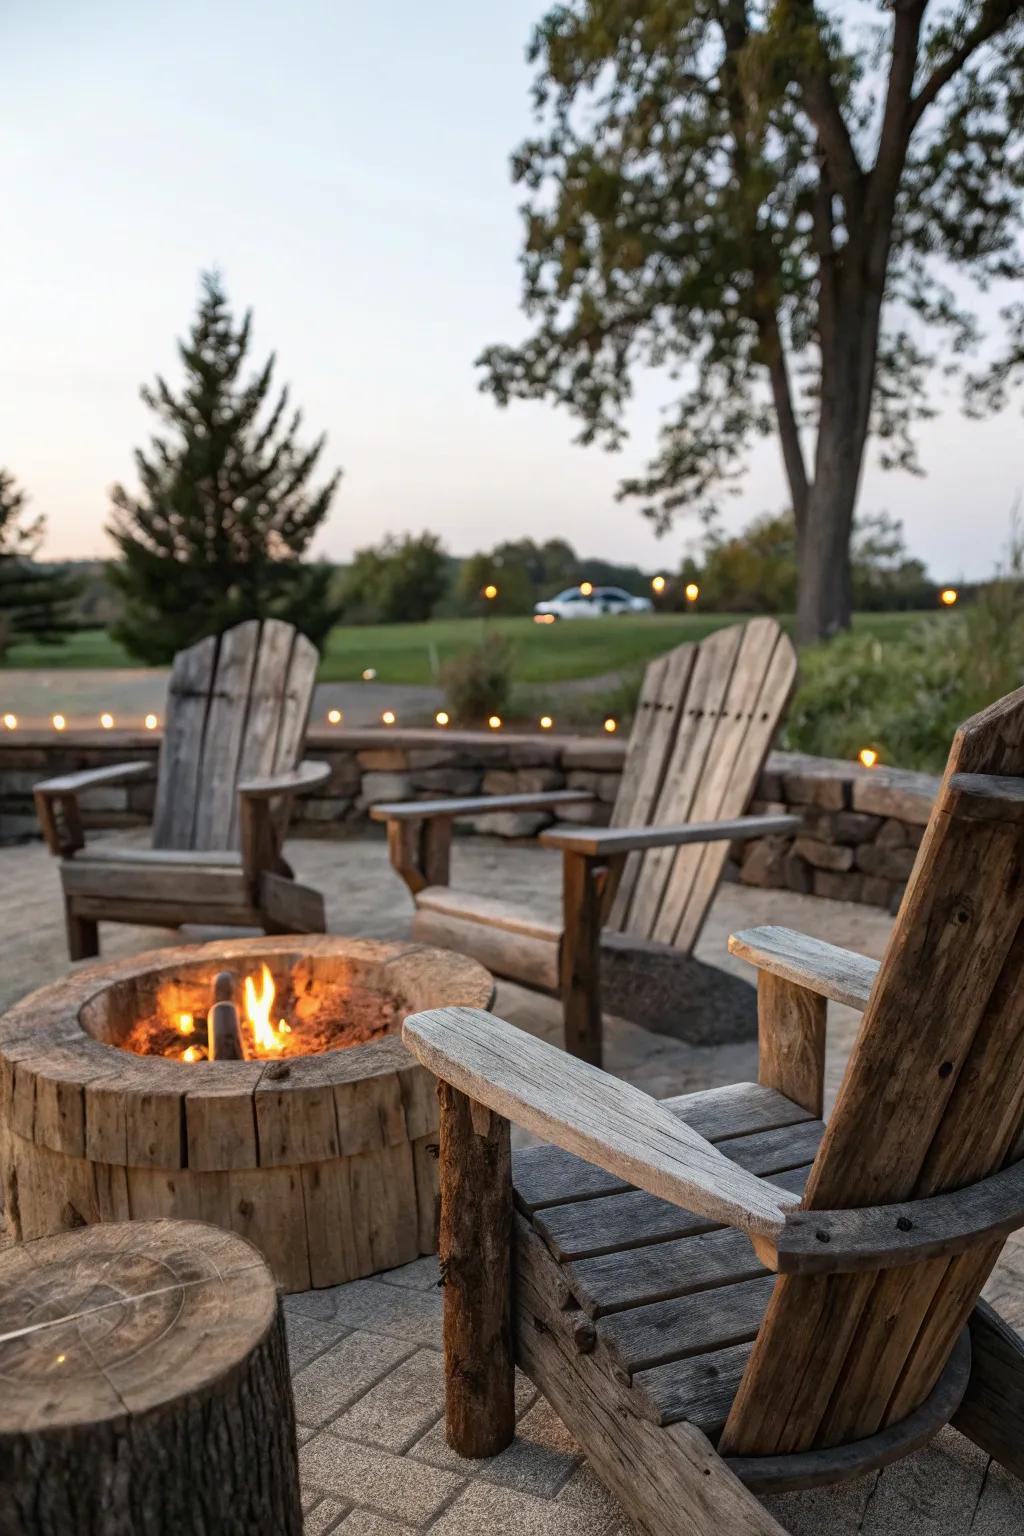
{"points": [[478, 681]]}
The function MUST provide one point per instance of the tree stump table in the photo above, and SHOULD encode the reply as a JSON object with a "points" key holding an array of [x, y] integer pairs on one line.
{"points": [[146, 1387]]}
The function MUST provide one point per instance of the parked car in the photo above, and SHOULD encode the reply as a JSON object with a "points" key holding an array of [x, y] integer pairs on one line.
{"points": [[574, 603]]}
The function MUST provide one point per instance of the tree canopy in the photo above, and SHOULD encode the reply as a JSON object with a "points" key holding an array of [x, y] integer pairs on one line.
{"points": [[226, 514], [779, 203], [35, 598]]}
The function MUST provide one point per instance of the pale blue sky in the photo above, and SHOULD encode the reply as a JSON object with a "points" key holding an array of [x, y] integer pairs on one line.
{"points": [[346, 166]]}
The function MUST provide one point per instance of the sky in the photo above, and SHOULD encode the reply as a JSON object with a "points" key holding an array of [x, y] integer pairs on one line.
{"points": [[346, 166]]}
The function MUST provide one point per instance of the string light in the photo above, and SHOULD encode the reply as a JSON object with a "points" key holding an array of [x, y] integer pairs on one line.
{"points": [[334, 717], [11, 722], [611, 726], [107, 721], [546, 722], [442, 717], [867, 757], [151, 722], [494, 721], [490, 591], [587, 588], [389, 717], [369, 673], [948, 596], [692, 591], [58, 722]]}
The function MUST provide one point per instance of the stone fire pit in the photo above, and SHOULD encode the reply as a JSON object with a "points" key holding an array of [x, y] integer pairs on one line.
{"points": [[326, 1161]]}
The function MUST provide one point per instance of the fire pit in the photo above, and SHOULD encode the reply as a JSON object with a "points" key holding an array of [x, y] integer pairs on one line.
{"points": [[258, 1084]]}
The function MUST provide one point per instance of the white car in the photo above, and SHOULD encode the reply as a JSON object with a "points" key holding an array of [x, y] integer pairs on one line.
{"points": [[599, 602]]}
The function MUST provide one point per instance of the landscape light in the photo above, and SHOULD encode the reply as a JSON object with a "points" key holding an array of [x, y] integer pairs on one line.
{"points": [[11, 722], [388, 717], [369, 673], [151, 722], [586, 587], [867, 757], [58, 722], [546, 722], [107, 721], [543, 618], [611, 725], [442, 717], [494, 721], [334, 717], [692, 591], [948, 595], [490, 591]]}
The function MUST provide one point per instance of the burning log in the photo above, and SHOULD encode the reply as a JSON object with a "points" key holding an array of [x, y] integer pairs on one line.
{"points": [[223, 1030]]}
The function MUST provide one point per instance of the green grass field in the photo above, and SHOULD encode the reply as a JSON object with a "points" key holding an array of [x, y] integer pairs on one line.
{"points": [[411, 653]]}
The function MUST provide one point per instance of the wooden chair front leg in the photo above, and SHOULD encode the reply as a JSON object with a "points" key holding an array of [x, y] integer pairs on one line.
{"points": [[588, 889], [476, 1273], [261, 841], [420, 851], [992, 1411], [791, 1041]]}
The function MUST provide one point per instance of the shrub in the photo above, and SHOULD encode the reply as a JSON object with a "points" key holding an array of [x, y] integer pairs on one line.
{"points": [[477, 681]]}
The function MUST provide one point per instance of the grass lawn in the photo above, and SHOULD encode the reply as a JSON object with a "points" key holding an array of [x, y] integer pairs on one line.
{"points": [[410, 653]]}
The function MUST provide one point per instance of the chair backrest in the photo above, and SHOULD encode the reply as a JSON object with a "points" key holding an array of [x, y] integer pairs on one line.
{"points": [[237, 708], [707, 715], [932, 1101]]}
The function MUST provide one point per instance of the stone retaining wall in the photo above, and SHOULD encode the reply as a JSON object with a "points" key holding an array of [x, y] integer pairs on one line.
{"points": [[861, 827]]}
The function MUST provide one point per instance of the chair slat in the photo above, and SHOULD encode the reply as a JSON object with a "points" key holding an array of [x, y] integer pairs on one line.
{"points": [[188, 702], [225, 733], [264, 708]]}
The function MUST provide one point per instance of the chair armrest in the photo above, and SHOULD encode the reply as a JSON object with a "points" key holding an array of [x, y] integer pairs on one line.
{"points": [[477, 805], [296, 781], [56, 802], [601, 842], [825, 969], [600, 1118]]}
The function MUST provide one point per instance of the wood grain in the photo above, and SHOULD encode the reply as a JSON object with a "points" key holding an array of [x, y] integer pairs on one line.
{"points": [[839, 974], [791, 1041]]}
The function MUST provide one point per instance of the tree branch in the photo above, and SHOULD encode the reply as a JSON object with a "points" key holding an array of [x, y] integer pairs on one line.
{"points": [[994, 17], [789, 431]]}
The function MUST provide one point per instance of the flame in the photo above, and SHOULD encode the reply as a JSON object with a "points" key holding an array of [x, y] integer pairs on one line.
{"points": [[192, 1053], [186, 1024], [258, 1008]]}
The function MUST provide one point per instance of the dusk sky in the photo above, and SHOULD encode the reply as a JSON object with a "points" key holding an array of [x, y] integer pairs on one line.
{"points": [[346, 166]]}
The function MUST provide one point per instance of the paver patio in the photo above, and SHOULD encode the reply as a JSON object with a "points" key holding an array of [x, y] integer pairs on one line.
{"points": [[366, 1356]]}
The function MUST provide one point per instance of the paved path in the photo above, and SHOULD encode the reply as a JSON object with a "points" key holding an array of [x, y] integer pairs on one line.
{"points": [[366, 1356]]}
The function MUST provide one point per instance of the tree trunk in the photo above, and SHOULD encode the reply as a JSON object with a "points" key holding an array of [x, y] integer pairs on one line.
{"points": [[825, 580]]}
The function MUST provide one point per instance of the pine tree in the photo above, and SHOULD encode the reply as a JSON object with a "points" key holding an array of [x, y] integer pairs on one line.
{"points": [[34, 599], [226, 512]]}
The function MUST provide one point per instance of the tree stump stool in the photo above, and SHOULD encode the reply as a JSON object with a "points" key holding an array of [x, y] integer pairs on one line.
{"points": [[145, 1387]]}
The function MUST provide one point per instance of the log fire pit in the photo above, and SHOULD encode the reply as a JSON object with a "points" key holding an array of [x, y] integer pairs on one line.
{"points": [[258, 1084]]}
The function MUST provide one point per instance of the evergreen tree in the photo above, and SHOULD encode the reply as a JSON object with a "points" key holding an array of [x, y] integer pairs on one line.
{"points": [[226, 512], [34, 599]]}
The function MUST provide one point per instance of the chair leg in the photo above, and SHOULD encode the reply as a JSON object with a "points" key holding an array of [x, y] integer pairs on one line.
{"points": [[992, 1411], [476, 1270], [582, 909], [83, 933]]}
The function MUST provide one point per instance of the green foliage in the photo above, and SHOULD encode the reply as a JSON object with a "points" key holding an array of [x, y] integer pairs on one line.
{"points": [[226, 514], [512, 579], [478, 680], [35, 599], [398, 581]]}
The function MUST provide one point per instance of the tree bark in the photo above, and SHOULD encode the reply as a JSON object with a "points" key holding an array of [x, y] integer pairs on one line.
{"points": [[825, 596]]}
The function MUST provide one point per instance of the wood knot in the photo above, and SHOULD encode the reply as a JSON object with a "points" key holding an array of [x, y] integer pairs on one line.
{"points": [[434, 1150], [277, 1071]]}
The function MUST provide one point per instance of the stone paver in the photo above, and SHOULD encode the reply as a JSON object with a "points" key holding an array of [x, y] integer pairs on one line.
{"points": [[365, 1354]]}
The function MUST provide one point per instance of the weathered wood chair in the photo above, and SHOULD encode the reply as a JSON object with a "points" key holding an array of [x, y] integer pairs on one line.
{"points": [[237, 710], [704, 723], [773, 1304]]}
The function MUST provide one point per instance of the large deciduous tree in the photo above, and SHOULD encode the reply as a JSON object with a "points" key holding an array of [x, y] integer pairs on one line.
{"points": [[775, 200], [226, 513]]}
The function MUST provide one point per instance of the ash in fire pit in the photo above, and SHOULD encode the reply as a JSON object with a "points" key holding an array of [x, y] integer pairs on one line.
{"points": [[301, 1013]]}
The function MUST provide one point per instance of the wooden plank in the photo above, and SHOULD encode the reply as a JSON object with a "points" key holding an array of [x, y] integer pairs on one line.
{"points": [[992, 1411], [603, 842], [370, 1113], [257, 757], [336, 1254], [220, 1119], [839, 974], [587, 1112], [933, 1098], [224, 736], [478, 805], [767, 706], [181, 750], [986, 797], [490, 910], [518, 956], [425, 1153], [791, 1041], [91, 778], [699, 1390], [289, 907], [162, 858], [580, 965], [547, 1176], [208, 885], [636, 1276], [665, 1479], [708, 683], [299, 684], [296, 1120], [167, 914], [640, 1338], [384, 1212]]}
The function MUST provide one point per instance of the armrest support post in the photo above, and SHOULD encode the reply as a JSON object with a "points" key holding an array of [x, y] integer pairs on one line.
{"points": [[61, 821], [791, 1041], [583, 883], [420, 851]]}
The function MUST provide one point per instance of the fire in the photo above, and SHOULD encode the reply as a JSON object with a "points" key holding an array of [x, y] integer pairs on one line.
{"points": [[258, 1008], [186, 1024]]}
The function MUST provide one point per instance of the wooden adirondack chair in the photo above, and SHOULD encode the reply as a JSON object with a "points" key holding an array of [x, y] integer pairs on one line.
{"points": [[237, 710], [719, 1295], [706, 718]]}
